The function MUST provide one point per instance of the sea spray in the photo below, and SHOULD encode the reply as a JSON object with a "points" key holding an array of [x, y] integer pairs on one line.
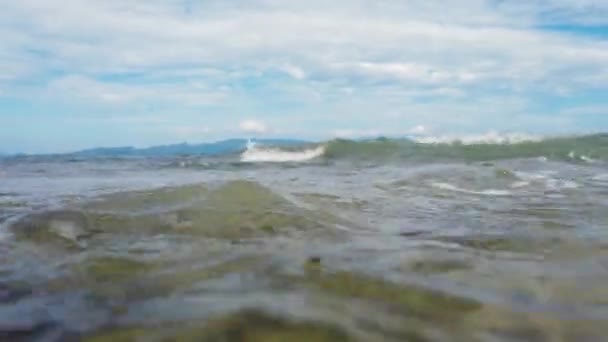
{"points": [[256, 153]]}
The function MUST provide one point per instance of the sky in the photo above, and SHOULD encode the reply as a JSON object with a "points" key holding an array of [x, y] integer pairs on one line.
{"points": [[81, 73]]}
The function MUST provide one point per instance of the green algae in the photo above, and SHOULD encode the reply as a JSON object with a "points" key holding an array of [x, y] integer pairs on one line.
{"points": [[135, 201], [12, 291], [417, 301], [236, 210], [504, 173], [433, 266], [64, 229], [168, 282], [498, 323], [257, 326], [13, 204], [493, 243], [267, 228], [122, 280], [113, 269], [248, 325], [243, 209], [324, 200], [124, 335]]}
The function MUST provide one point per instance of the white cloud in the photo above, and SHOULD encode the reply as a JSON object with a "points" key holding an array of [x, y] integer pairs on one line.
{"points": [[419, 130], [82, 87], [294, 71], [415, 41], [472, 61], [253, 126]]}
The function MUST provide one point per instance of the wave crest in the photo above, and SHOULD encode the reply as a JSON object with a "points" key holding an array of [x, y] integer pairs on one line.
{"points": [[587, 149], [255, 153]]}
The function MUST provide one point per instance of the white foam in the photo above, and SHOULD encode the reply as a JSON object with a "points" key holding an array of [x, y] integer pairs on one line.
{"points": [[544, 178], [572, 155], [520, 184], [275, 155], [488, 192], [560, 184], [488, 138], [602, 177], [531, 177], [587, 159]]}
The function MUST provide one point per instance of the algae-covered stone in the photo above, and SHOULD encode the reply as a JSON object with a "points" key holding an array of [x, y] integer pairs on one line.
{"points": [[492, 243], [136, 201], [184, 278], [235, 210], [113, 269], [417, 301], [257, 326], [432, 266], [13, 291], [65, 228], [504, 173], [243, 209], [244, 326], [125, 335]]}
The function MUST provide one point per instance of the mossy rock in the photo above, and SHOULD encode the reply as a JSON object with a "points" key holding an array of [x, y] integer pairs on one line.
{"points": [[113, 269], [13, 291], [13, 204], [124, 281], [416, 301], [235, 210], [135, 201], [504, 173], [246, 223], [493, 244], [434, 266], [166, 282], [242, 193], [245, 326], [125, 335], [106, 279], [63, 228], [257, 326]]}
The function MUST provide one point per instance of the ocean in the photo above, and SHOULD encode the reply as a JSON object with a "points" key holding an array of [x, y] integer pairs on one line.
{"points": [[378, 240]]}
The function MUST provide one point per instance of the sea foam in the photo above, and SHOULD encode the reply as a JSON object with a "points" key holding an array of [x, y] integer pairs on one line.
{"points": [[255, 153], [488, 138]]}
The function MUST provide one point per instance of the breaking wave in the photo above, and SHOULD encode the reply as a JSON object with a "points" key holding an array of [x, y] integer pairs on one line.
{"points": [[255, 153], [576, 149], [581, 149]]}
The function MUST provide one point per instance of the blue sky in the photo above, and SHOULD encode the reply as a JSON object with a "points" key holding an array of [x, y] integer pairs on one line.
{"points": [[82, 73]]}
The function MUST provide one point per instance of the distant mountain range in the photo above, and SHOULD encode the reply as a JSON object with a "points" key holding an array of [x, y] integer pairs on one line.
{"points": [[215, 148]]}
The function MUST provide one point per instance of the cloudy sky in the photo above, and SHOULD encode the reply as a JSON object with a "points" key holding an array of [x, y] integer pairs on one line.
{"points": [[82, 73]]}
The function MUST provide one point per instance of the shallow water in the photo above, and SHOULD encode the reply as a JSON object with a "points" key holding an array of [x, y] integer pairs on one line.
{"points": [[329, 250]]}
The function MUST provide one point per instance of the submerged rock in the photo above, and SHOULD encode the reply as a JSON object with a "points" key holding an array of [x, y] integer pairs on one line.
{"points": [[432, 266], [417, 301], [113, 269], [11, 292], [243, 209], [142, 201], [235, 210], [65, 228], [245, 326], [46, 331]]}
